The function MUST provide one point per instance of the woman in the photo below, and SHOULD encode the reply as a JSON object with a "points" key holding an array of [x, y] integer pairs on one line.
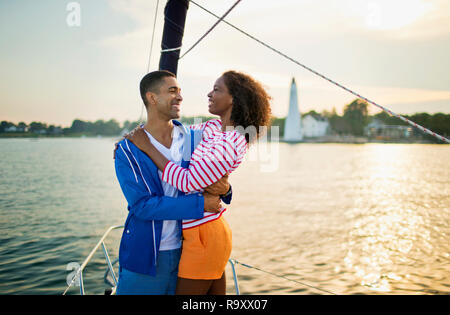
{"points": [[241, 102]]}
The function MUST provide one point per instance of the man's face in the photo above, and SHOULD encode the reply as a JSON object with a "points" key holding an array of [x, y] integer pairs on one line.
{"points": [[168, 101]]}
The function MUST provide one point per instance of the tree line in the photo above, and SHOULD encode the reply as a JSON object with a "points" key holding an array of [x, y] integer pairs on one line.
{"points": [[354, 120], [79, 127]]}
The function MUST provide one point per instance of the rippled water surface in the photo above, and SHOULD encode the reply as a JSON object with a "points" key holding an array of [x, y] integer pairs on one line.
{"points": [[348, 219]]}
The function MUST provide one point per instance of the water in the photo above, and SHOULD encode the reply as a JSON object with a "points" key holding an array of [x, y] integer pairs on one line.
{"points": [[349, 219]]}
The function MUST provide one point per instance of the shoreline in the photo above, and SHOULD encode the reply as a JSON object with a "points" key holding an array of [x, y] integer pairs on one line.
{"points": [[326, 139]]}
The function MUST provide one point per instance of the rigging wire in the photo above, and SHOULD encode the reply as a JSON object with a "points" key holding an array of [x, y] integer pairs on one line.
{"points": [[153, 36], [212, 27], [423, 129], [220, 19], [150, 56], [283, 277]]}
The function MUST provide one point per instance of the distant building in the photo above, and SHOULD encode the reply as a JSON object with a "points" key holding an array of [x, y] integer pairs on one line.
{"points": [[56, 130], [11, 129], [374, 126], [378, 130], [292, 126], [314, 126]]}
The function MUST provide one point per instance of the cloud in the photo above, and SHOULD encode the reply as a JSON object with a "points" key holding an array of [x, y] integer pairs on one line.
{"points": [[399, 19], [141, 11], [389, 95], [329, 37], [131, 50]]}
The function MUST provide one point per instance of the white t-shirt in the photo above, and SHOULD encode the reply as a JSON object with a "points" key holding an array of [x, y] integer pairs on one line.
{"points": [[169, 236]]}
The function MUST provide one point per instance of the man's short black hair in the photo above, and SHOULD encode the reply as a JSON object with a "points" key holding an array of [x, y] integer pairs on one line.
{"points": [[151, 82]]}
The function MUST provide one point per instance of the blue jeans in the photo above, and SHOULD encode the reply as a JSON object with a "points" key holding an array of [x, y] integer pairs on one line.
{"points": [[165, 281]]}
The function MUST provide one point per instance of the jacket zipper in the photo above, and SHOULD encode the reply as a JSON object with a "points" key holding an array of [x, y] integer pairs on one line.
{"points": [[154, 241]]}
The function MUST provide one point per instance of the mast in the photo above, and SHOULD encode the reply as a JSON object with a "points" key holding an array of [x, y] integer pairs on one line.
{"points": [[174, 21]]}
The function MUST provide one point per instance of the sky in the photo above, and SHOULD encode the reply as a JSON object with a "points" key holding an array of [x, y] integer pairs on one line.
{"points": [[64, 60]]}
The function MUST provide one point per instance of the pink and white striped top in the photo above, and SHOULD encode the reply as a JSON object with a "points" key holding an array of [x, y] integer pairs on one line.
{"points": [[217, 154]]}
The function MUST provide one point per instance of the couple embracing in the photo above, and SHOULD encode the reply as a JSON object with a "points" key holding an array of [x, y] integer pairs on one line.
{"points": [[175, 179]]}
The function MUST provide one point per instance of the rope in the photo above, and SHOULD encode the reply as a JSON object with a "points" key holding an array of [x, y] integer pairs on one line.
{"points": [[283, 277], [150, 55], [329, 80], [153, 36], [212, 27], [170, 49]]}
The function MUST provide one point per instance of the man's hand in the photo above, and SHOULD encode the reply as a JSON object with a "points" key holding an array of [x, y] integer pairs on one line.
{"points": [[211, 203], [220, 187]]}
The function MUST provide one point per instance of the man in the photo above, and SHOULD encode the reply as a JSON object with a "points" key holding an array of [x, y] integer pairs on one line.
{"points": [[150, 248]]}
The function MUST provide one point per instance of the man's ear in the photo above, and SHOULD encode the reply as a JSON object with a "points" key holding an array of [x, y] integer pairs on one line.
{"points": [[150, 98]]}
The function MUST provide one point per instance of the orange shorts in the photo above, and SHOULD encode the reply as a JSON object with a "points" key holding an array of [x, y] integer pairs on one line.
{"points": [[206, 250]]}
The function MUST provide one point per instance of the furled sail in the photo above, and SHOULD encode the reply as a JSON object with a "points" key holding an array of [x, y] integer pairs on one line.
{"points": [[174, 21]]}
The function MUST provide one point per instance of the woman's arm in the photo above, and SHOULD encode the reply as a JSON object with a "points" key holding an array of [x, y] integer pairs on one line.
{"points": [[141, 140], [218, 161], [211, 163], [210, 124], [147, 206]]}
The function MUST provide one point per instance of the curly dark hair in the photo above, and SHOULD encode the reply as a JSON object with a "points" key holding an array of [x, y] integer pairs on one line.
{"points": [[251, 103]]}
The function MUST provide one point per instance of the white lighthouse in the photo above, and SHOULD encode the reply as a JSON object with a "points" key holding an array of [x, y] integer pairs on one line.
{"points": [[292, 125]]}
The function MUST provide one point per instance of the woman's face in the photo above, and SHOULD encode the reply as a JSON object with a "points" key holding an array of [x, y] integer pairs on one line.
{"points": [[220, 100]]}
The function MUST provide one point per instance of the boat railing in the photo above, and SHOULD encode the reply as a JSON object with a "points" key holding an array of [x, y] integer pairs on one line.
{"points": [[77, 277]]}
